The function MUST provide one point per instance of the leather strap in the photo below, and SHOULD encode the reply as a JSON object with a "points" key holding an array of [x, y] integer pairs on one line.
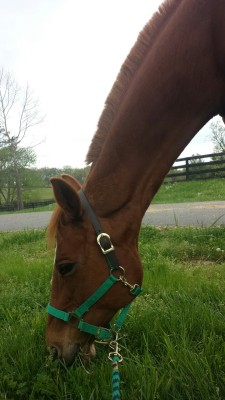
{"points": [[90, 213], [103, 239]]}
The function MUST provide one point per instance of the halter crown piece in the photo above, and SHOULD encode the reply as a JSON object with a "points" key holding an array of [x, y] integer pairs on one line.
{"points": [[101, 333]]}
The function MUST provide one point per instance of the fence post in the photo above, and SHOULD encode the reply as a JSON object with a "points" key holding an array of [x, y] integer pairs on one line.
{"points": [[187, 170]]}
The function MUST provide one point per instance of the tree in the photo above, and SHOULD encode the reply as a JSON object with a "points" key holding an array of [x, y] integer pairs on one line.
{"points": [[2, 137], [25, 158], [218, 136], [79, 173], [19, 112]]}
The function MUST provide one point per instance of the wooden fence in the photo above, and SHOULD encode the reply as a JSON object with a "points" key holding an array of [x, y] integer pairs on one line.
{"points": [[207, 166], [27, 205]]}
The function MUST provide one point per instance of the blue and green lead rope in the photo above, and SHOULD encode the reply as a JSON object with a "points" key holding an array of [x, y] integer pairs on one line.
{"points": [[115, 379]]}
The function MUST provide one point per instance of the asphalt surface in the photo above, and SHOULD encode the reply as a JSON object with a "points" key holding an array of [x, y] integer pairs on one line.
{"points": [[19, 222], [182, 214], [186, 214]]}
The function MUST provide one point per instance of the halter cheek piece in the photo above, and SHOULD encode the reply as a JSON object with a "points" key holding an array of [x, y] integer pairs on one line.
{"points": [[107, 248]]}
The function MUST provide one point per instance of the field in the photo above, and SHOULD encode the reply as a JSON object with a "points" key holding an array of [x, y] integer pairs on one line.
{"points": [[174, 346], [184, 192], [38, 194], [180, 192]]}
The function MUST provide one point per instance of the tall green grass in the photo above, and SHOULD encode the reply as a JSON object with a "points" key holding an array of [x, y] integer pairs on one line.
{"points": [[174, 343]]}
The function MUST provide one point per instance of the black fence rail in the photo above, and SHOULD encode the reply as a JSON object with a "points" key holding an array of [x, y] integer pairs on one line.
{"points": [[26, 205], [207, 166]]}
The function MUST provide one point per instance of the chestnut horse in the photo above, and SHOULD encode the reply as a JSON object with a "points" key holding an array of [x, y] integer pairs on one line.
{"points": [[170, 85]]}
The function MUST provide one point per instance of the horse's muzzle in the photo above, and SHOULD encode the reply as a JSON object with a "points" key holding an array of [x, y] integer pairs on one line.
{"points": [[86, 352], [69, 356]]}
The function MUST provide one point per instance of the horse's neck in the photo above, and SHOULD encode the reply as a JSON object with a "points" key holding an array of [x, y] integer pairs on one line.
{"points": [[128, 176], [174, 93]]}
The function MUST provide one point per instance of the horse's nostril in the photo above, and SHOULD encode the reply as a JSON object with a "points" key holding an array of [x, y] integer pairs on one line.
{"points": [[68, 355]]}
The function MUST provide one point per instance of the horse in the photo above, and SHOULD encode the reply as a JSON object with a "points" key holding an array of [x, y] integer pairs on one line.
{"points": [[170, 85]]}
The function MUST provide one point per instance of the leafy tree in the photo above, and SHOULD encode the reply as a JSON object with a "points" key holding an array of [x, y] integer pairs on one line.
{"points": [[6, 176], [47, 173], [79, 173], [2, 131], [218, 136], [18, 114], [218, 139], [25, 157]]}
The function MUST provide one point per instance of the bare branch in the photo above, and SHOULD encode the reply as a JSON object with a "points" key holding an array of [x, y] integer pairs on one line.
{"points": [[29, 116], [16, 104], [9, 91], [19, 112]]}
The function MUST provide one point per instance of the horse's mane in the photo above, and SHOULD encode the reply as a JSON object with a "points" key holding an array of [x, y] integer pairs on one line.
{"points": [[118, 91], [127, 72]]}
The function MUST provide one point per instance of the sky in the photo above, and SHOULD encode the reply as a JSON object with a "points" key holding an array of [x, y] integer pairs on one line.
{"points": [[69, 52]]}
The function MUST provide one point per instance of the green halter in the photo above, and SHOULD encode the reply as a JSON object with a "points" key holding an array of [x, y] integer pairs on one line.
{"points": [[107, 249]]}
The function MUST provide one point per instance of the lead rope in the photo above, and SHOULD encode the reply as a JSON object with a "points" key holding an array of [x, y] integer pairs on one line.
{"points": [[116, 358], [115, 379]]}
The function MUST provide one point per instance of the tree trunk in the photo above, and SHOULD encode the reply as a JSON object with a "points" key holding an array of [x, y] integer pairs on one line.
{"points": [[19, 197]]}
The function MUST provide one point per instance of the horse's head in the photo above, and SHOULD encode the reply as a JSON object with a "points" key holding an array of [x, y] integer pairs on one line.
{"points": [[81, 267]]}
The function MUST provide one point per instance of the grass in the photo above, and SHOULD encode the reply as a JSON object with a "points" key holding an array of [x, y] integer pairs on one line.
{"points": [[174, 346], [191, 191], [38, 194]]}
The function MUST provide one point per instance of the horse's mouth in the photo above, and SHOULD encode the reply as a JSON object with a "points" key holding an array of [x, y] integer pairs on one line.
{"points": [[87, 351]]}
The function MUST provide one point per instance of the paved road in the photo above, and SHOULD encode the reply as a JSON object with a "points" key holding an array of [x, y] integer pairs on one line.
{"points": [[18, 222], [182, 214], [186, 214]]}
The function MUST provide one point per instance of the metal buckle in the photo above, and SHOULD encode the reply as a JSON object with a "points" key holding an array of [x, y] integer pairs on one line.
{"points": [[99, 237], [114, 355], [126, 283], [104, 332]]}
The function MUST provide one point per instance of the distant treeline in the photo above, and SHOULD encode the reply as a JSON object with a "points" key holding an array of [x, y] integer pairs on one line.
{"points": [[34, 182], [46, 173]]}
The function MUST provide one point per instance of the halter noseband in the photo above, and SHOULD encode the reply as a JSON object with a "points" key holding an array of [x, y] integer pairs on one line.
{"points": [[107, 248]]}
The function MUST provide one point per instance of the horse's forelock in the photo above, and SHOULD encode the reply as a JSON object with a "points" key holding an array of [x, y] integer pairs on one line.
{"points": [[53, 226]]}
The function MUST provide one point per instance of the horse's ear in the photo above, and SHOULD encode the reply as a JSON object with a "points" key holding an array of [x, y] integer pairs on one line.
{"points": [[72, 181], [66, 197]]}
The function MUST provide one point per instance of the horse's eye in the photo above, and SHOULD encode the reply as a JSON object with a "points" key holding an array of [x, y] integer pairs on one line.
{"points": [[65, 269]]}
